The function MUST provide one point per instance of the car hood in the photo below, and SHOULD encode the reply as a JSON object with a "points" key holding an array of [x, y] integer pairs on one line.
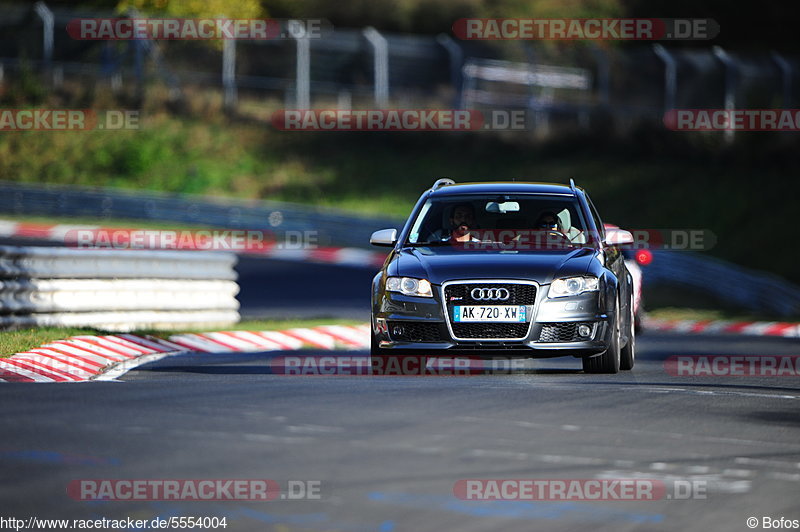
{"points": [[446, 264]]}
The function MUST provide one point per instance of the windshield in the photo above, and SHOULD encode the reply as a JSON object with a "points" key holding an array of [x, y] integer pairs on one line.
{"points": [[509, 221]]}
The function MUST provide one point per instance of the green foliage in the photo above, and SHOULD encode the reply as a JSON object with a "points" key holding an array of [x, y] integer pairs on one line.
{"points": [[425, 16], [24, 89], [196, 8]]}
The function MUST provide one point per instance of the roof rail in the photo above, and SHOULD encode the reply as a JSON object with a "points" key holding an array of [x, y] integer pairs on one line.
{"points": [[442, 182], [572, 185]]}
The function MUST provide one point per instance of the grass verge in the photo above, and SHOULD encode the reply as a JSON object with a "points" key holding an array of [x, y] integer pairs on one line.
{"points": [[674, 313], [113, 223]]}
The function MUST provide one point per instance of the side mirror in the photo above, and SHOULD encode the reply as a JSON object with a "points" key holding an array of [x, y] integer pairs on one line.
{"points": [[384, 237], [618, 237]]}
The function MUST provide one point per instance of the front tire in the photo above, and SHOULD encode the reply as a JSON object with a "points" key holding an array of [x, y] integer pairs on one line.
{"points": [[628, 353], [608, 362]]}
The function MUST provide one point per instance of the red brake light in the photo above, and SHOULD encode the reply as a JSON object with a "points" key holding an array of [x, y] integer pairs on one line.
{"points": [[644, 257]]}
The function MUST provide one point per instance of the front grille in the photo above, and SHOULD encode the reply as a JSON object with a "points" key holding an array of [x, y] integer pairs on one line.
{"points": [[416, 331], [519, 294], [562, 332], [490, 330], [459, 294]]}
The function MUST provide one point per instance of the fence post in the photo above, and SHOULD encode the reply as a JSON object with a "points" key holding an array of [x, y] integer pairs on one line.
{"points": [[670, 76], [138, 67], [229, 72], [46, 15], [380, 52], [541, 118], [786, 72], [344, 100], [468, 86], [731, 68], [603, 74], [302, 99], [456, 56]]}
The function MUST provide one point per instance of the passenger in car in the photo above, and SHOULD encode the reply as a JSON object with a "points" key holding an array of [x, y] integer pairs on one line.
{"points": [[548, 221]]}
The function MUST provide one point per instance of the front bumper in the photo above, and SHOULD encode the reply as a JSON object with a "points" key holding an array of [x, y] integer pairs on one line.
{"points": [[423, 324]]}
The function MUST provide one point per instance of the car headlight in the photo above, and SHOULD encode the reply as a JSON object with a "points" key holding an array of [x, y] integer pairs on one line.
{"points": [[409, 286], [572, 286]]}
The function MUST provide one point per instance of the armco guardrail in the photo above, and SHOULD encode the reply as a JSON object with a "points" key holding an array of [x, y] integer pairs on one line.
{"points": [[748, 289], [327, 227], [68, 263], [116, 290]]}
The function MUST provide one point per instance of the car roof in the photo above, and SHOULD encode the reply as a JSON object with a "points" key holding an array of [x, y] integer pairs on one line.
{"points": [[504, 187]]}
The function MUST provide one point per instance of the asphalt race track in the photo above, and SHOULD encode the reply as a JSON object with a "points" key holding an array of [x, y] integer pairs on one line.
{"points": [[387, 451]]}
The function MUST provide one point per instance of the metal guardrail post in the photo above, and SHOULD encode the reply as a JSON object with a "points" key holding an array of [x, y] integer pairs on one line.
{"points": [[731, 68], [152, 50], [786, 72], [344, 100], [380, 51], [541, 116], [603, 74], [468, 87], [670, 76], [138, 66], [229, 72], [302, 99], [46, 15], [456, 55]]}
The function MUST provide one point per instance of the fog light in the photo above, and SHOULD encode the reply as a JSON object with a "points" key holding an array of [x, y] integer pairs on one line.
{"points": [[397, 330], [584, 330]]}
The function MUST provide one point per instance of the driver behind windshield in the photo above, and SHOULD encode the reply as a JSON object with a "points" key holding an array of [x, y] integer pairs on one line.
{"points": [[462, 222]]}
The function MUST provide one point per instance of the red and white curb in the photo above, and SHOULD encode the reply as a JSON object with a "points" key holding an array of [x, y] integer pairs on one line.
{"points": [[753, 328], [65, 234], [83, 358]]}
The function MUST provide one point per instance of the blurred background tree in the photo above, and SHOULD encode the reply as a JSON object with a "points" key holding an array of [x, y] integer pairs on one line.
{"points": [[425, 16], [743, 24], [197, 8]]}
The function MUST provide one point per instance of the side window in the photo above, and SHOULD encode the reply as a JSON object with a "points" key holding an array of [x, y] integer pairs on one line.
{"points": [[598, 222]]}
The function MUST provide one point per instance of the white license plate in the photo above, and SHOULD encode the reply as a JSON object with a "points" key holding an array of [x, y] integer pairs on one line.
{"points": [[490, 313]]}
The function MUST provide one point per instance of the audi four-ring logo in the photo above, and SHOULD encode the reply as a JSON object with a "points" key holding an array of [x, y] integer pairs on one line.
{"points": [[490, 294]]}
